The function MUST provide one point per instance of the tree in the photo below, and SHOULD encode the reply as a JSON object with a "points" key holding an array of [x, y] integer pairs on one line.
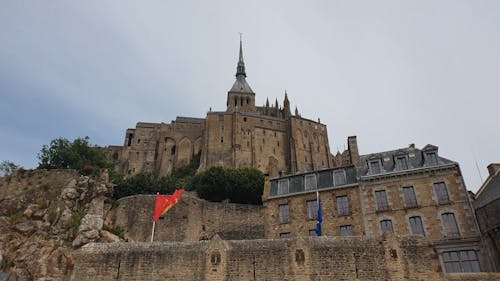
{"points": [[243, 185], [7, 168], [79, 155]]}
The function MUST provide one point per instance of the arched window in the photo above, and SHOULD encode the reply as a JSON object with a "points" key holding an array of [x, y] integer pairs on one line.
{"points": [[248, 100], [241, 101], [235, 101]]}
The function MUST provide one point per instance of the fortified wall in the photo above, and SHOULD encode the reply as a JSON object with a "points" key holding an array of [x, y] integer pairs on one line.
{"points": [[192, 219], [304, 258]]}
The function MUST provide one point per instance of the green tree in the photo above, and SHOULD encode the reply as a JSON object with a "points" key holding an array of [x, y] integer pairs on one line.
{"points": [[143, 183], [243, 185], [7, 168], [79, 155]]}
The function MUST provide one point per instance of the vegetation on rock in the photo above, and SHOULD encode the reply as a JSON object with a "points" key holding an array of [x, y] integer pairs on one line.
{"points": [[79, 155], [7, 168]]}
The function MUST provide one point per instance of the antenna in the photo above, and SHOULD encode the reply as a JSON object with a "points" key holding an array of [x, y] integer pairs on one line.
{"points": [[478, 171]]}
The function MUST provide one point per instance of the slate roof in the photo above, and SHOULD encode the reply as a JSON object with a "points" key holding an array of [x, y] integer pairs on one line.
{"points": [[415, 159], [189, 119], [489, 193], [241, 86]]}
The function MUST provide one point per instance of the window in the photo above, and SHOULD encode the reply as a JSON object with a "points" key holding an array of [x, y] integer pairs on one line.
{"points": [[450, 225], [374, 167], [285, 235], [410, 197], [221, 139], [284, 213], [460, 261], [401, 163], [417, 228], [386, 225], [343, 205], [312, 210], [431, 159], [312, 232], [311, 182], [282, 186], [346, 230], [339, 177], [441, 192], [130, 137], [381, 199]]}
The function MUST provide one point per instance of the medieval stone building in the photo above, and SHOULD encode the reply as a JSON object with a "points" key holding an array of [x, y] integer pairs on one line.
{"points": [[267, 137], [407, 192]]}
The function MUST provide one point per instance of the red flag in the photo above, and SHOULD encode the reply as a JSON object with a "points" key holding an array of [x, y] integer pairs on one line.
{"points": [[164, 203]]}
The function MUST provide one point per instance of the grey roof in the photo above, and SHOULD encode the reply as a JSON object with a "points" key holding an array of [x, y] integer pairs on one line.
{"points": [[241, 86], [489, 193], [189, 119], [415, 159]]}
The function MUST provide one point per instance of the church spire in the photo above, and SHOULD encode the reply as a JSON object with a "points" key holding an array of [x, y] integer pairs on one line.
{"points": [[240, 69]]}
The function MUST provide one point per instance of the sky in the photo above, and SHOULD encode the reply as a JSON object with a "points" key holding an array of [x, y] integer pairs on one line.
{"points": [[390, 72]]}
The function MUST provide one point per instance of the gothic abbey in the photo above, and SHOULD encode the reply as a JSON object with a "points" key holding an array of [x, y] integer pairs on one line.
{"points": [[268, 138]]}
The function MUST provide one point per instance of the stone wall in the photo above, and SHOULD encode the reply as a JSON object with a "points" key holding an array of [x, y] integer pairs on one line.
{"points": [[308, 258], [192, 219]]}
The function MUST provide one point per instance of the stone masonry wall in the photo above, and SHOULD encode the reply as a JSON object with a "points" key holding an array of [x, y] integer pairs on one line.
{"points": [[307, 258], [192, 219]]}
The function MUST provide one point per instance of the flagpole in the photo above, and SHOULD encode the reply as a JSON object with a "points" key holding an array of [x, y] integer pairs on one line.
{"points": [[153, 230]]}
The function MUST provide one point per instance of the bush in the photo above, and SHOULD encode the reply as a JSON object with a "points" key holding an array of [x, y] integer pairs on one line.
{"points": [[79, 155], [7, 168], [243, 185]]}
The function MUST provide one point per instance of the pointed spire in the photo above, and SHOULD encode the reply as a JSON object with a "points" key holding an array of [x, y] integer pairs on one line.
{"points": [[296, 111], [240, 69], [267, 102]]}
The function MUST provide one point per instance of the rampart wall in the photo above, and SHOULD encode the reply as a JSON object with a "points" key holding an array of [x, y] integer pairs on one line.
{"points": [[192, 219], [306, 258]]}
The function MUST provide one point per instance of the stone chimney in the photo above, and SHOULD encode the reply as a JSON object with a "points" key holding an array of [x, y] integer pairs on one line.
{"points": [[493, 168], [352, 146]]}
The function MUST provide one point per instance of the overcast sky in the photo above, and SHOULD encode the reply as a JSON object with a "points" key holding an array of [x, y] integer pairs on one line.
{"points": [[390, 72]]}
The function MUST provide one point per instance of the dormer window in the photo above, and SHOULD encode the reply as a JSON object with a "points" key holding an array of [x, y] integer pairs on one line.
{"points": [[374, 167], [431, 158], [401, 163]]}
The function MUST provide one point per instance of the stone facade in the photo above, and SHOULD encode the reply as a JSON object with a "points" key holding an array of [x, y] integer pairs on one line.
{"points": [[406, 191], [192, 219], [306, 258], [267, 137], [487, 206]]}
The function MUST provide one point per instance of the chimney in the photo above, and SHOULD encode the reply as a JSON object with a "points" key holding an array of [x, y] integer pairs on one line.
{"points": [[493, 168], [352, 146]]}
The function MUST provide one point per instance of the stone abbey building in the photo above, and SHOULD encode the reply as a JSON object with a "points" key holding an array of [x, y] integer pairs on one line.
{"points": [[267, 137]]}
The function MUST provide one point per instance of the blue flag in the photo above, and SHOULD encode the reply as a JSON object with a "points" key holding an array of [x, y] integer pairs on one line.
{"points": [[320, 218]]}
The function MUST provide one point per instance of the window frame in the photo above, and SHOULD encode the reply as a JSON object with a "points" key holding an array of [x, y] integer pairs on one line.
{"points": [[349, 227], [399, 165], [412, 230], [386, 199], [370, 166], [341, 210], [285, 235], [344, 177], [440, 193], [283, 190], [306, 181], [312, 214], [384, 222], [448, 261], [414, 200], [284, 219], [447, 227]]}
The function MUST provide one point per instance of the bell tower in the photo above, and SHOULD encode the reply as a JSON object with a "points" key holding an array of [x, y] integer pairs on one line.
{"points": [[241, 97]]}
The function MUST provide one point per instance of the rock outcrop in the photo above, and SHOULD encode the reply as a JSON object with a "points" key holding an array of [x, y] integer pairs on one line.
{"points": [[44, 217]]}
